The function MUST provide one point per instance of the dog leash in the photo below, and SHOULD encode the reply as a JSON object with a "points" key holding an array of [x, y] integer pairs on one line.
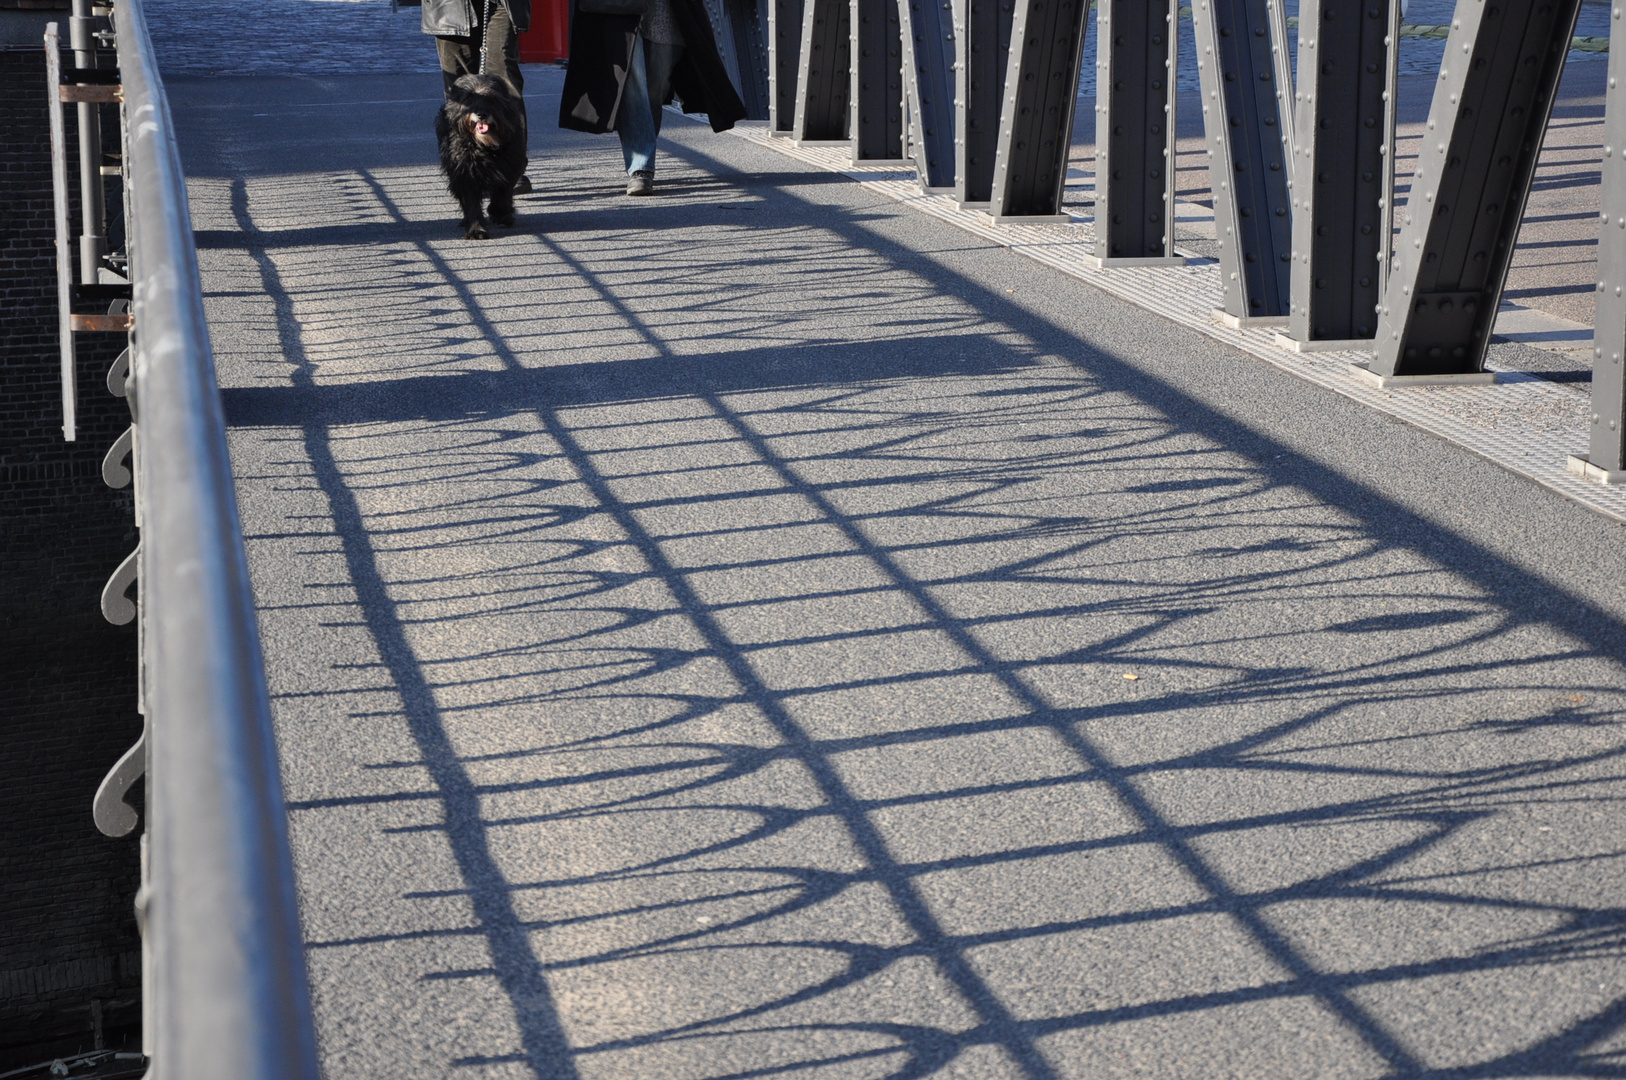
{"points": [[485, 35]]}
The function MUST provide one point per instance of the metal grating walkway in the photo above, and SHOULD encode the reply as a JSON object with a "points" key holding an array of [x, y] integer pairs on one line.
{"points": [[1523, 423]]}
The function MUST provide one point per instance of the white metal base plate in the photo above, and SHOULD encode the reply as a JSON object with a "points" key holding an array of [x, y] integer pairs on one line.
{"points": [[1578, 465], [1246, 322], [1293, 344], [1152, 260], [1030, 219], [1472, 378]]}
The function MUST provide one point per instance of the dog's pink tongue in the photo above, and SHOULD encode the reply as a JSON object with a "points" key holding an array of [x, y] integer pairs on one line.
{"points": [[482, 128]]}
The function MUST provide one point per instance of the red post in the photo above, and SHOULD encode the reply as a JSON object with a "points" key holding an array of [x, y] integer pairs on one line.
{"points": [[548, 39]]}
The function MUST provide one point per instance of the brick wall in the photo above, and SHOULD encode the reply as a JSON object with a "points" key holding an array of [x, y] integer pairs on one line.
{"points": [[67, 932]]}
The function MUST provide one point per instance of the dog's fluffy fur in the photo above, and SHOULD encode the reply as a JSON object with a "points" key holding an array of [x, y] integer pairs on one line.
{"points": [[482, 150]]}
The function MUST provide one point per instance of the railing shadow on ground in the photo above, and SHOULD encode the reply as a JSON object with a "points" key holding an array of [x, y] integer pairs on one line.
{"points": [[908, 598]]}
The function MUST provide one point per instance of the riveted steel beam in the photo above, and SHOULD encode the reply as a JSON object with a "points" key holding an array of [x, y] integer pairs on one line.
{"points": [[877, 81], [742, 43], [1282, 60], [982, 45], [1137, 55], [928, 77], [1339, 176], [1247, 165], [785, 19], [1036, 119], [824, 87], [1491, 103], [1605, 458]]}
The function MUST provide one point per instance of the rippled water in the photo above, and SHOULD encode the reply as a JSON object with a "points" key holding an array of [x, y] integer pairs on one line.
{"points": [[1418, 56]]}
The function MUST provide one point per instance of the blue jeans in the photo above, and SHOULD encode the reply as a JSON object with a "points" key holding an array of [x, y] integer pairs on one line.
{"points": [[640, 121]]}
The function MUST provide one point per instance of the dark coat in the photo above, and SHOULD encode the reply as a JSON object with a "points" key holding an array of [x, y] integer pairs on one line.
{"points": [[456, 18], [601, 51]]}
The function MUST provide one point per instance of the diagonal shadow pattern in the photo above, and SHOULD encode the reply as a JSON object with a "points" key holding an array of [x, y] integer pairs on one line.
{"points": [[682, 684]]}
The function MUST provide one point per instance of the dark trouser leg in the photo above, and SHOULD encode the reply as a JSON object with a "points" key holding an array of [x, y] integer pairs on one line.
{"points": [[659, 60], [635, 126], [649, 79]]}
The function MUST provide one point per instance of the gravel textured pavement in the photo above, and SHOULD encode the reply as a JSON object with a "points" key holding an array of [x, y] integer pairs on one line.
{"points": [[761, 631]]}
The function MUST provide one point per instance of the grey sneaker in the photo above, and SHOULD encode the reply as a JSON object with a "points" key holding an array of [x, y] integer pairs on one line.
{"points": [[641, 183]]}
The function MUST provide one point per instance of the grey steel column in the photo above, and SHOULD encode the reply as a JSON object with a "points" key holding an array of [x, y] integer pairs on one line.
{"points": [[1246, 163], [1338, 171], [743, 50], [877, 81], [722, 29], [1137, 56], [824, 86], [1605, 458], [1391, 124], [751, 42], [784, 63], [1036, 117], [1491, 103], [92, 195], [928, 79], [1282, 60], [982, 45]]}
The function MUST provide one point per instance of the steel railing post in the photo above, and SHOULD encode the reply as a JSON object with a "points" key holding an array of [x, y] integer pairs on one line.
{"points": [[1605, 458], [1036, 114], [1247, 167], [784, 63], [1136, 103], [64, 243], [1338, 175], [823, 86], [982, 45], [877, 125], [928, 79], [92, 195], [1475, 166]]}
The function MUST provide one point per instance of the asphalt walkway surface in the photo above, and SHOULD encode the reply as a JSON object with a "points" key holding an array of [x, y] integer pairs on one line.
{"points": [[760, 631]]}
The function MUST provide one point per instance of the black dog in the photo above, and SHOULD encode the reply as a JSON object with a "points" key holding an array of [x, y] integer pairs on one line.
{"points": [[482, 150]]}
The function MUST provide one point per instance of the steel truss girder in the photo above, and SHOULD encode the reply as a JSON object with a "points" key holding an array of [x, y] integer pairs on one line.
{"points": [[1246, 163], [1495, 92], [877, 81], [928, 70], [1137, 56], [824, 88], [1607, 447], [743, 47], [784, 62], [1036, 118], [1339, 176], [982, 45]]}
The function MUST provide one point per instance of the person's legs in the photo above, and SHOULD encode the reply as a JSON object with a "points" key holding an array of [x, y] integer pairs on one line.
{"points": [[636, 124], [502, 57], [659, 60], [458, 56], [461, 56]]}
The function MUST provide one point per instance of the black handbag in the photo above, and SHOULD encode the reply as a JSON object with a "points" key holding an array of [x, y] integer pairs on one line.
{"points": [[612, 7]]}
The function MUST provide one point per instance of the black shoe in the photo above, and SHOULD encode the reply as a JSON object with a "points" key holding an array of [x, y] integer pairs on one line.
{"points": [[522, 186], [641, 182]]}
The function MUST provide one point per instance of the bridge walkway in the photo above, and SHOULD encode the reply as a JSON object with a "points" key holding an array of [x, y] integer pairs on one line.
{"points": [[763, 631]]}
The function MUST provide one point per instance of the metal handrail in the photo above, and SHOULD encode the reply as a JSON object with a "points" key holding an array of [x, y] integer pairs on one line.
{"points": [[226, 979]]}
